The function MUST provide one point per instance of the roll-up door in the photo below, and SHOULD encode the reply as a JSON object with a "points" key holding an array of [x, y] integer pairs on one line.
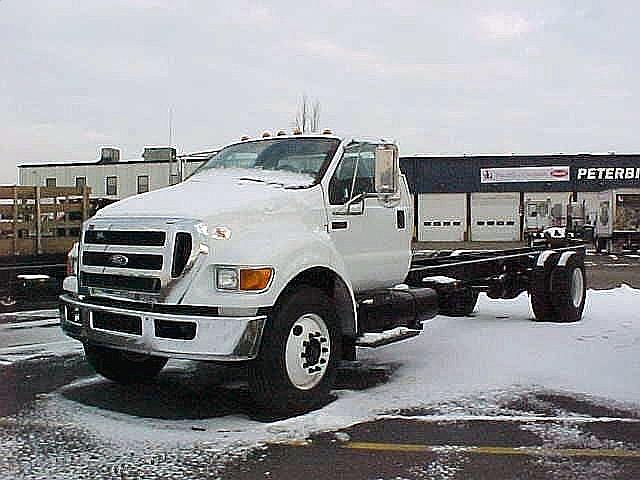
{"points": [[442, 217], [495, 217]]}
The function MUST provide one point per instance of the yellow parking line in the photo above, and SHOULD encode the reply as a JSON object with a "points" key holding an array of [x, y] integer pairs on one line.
{"points": [[475, 449], [559, 452]]}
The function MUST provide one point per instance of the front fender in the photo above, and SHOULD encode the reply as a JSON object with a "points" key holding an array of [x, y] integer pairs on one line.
{"points": [[291, 252]]}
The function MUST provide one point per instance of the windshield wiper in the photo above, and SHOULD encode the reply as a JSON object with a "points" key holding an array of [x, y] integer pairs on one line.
{"points": [[260, 180]]}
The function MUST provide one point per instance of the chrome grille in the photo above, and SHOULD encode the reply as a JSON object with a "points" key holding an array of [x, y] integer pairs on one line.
{"points": [[126, 237], [140, 261], [137, 258], [121, 282]]}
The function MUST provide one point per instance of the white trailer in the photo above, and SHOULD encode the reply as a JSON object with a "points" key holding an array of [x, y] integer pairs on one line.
{"points": [[618, 220]]}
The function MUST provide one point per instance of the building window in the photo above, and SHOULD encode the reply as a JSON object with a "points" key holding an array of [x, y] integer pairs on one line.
{"points": [[50, 182], [112, 185], [173, 179], [143, 183], [81, 182]]}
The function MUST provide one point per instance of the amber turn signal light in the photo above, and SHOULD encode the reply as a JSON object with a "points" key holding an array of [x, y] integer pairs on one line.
{"points": [[255, 278]]}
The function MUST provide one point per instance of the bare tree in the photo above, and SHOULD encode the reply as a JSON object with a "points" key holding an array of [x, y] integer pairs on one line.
{"points": [[308, 115], [315, 116]]}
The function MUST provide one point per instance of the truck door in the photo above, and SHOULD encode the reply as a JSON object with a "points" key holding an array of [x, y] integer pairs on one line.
{"points": [[372, 235]]}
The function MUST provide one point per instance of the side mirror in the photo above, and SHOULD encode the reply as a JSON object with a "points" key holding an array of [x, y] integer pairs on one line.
{"points": [[386, 159]]}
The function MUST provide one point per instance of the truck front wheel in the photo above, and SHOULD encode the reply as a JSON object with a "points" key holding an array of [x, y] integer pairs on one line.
{"points": [[123, 367], [296, 366]]}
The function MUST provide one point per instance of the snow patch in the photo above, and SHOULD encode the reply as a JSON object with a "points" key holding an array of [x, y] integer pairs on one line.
{"points": [[453, 358]]}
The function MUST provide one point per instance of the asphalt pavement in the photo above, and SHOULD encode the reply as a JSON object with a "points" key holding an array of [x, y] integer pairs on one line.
{"points": [[529, 434]]}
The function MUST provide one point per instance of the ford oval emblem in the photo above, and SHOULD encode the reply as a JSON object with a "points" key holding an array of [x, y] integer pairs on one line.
{"points": [[118, 260]]}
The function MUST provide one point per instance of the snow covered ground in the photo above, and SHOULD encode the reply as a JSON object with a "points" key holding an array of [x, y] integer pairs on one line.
{"points": [[497, 352]]}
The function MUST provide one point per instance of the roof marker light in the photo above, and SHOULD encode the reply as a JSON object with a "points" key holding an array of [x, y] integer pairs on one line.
{"points": [[244, 138], [297, 131], [281, 133], [327, 131]]}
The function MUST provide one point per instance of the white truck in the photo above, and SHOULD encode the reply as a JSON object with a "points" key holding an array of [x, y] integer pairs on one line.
{"points": [[285, 252]]}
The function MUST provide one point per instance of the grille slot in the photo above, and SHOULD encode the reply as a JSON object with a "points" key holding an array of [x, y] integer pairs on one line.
{"points": [[120, 282], [117, 322], [125, 237], [175, 330], [135, 260], [181, 253]]}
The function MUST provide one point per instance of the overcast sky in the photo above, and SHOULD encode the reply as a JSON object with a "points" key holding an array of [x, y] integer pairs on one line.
{"points": [[438, 76]]}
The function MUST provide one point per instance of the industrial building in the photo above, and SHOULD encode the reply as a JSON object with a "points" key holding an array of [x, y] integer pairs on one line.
{"points": [[114, 179], [457, 198], [501, 197]]}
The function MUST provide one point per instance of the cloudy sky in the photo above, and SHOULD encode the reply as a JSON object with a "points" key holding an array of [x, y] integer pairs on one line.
{"points": [[439, 76]]}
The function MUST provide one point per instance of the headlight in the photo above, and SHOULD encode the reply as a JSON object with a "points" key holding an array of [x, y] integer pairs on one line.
{"points": [[227, 278], [243, 279]]}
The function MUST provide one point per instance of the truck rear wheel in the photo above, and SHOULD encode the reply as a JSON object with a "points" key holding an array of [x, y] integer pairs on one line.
{"points": [[540, 290], [569, 289], [123, 367], [458, 303], [296, 365]]}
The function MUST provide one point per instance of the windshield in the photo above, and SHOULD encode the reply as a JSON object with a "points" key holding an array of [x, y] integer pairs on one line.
{"points": [[299, 155]]}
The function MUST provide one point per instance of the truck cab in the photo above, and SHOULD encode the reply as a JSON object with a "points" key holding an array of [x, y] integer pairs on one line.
{"points": [[259, 256]]}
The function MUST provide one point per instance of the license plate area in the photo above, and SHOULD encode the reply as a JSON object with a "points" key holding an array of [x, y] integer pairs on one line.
{"points": [[116, 322]]}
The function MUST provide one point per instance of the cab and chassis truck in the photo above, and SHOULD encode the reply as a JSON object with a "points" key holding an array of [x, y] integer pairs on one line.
{"points": [[287, 253]]}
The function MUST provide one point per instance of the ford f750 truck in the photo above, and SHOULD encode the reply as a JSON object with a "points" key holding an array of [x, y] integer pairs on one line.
{"points": [[288, 253]]}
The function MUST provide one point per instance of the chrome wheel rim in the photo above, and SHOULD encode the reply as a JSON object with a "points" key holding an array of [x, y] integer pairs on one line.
{"points": [[577, 287], [307, 351]]}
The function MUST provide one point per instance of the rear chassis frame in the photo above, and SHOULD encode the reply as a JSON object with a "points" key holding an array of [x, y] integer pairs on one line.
{"points": [[501, 273]]}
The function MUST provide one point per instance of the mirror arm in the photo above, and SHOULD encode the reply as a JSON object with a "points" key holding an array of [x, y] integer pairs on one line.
{"points": [[346, 208]]}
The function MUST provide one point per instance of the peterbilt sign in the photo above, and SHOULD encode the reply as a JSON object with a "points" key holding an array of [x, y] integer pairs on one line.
{"points": [[608, 173], [525, 174]]}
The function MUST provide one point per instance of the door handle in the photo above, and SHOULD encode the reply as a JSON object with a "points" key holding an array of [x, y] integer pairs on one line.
{"points": [[340, 225]]}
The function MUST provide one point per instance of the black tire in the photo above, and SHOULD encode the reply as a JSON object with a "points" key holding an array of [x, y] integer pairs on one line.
{"points": [[459, 303], [569, 290], [271, 386], [7, 304], [123, 367], [540, 290], [8, 301]]}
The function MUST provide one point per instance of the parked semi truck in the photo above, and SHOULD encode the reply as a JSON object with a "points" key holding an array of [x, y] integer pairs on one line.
{"points": [[553, 223], [288, 253], [618, 220]]}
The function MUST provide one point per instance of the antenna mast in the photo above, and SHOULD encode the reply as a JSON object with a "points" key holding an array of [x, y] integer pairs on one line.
{"points": [[172, 171]]}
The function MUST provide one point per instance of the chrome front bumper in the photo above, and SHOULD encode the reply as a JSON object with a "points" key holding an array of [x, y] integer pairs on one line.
{"points": [[191, 337]]}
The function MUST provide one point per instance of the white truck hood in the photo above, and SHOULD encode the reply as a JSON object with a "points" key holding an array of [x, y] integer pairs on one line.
{"points": [[214, 192]]}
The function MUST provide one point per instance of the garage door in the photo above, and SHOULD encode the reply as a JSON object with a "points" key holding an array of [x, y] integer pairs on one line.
{"points": [[442, 217], [495, 217]]}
